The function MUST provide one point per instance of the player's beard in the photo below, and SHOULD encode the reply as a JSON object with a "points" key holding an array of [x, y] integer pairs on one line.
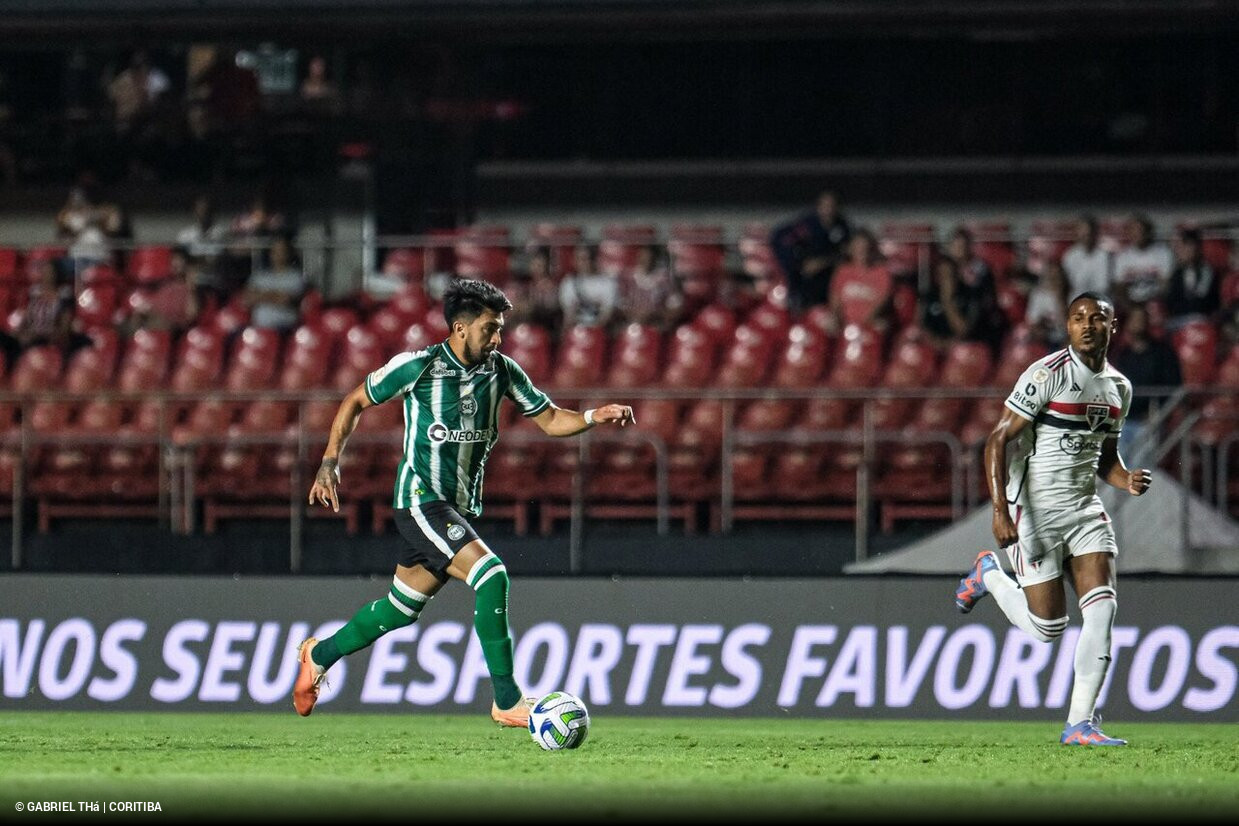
{"points": [[474, 357]]}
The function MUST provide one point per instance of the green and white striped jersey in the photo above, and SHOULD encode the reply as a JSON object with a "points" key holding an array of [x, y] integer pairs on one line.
{"points": [[451, 421]]}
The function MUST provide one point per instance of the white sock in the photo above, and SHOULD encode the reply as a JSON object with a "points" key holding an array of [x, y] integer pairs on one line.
{"points": [[1092, 652], [1012, 602]]}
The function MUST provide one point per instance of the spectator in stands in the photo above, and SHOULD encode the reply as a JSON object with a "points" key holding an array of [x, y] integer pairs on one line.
{"points": [[1087, 265], [273, 294], [535, 294], [47, 318], [204, 242], [979, 286], [317, 92], [172, 304], [223, 96], [648, 291], [1195, 290], [204, 238], [972, 268], [808, 248], [861, 290], [1142, 269], [587, 296], [88, 227], [951, 310], [1046, 312], [1149, 362], [259, 220], [135, 90]]}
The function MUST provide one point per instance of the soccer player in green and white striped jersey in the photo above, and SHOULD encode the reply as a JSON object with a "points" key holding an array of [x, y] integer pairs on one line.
{"points": [[451, 393]]}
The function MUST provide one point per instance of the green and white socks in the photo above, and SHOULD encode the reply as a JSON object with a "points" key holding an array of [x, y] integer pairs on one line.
{"points": [[399, 608], [489, 580]]}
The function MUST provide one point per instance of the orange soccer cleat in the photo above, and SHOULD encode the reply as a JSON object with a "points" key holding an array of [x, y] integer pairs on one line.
{"points": [[309, 678], [515, 717]]}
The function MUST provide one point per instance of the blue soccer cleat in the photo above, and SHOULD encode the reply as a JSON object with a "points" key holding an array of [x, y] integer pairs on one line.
{"points": [[972, 587], [1088, 733]]}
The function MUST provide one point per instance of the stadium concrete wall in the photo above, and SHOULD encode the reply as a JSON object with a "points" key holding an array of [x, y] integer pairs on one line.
{"points": [[847, 648]]}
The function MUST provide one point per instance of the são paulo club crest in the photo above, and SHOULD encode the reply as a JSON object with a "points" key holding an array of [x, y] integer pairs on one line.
{"points": [[1095, 415]]}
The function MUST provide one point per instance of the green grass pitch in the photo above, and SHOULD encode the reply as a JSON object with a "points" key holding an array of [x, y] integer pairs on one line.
{"points": [[384, 768]]}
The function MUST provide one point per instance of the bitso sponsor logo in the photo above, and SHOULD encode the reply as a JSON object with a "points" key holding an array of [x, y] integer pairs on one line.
{"points": [[440, 433]]}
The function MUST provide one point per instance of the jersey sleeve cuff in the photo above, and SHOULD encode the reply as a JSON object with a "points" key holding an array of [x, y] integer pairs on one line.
{"points": [[1022, 413], [543, 406], [369, 393]]}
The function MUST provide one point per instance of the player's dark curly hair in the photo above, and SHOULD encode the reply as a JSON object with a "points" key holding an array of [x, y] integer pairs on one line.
{"points": [[466, 299]]}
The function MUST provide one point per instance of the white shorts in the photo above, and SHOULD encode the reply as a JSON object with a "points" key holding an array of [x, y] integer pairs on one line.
{"points": [[1046, 538]]}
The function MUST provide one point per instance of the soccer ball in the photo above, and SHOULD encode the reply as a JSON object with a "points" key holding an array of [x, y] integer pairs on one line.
{"points": [[559, 721]]}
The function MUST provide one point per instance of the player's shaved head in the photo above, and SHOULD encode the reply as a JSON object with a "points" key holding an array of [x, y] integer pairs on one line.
{"points": [[1102, 300]]}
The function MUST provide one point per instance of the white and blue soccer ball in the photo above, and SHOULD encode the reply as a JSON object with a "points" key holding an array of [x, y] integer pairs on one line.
{"points": [[559, 721]]}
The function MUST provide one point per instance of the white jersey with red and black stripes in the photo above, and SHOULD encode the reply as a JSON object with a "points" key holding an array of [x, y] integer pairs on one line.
{"points": [[1053, 464]]}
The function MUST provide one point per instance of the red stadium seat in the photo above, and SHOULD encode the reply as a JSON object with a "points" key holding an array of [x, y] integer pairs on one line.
{"points": [[35, 256], [562, 241], [581, 357], [636, 361], [484, 252], [37, 369], [9, 261], [406, 264], [620, 245], [530, 346], [913, 366], [145, 360], [967, 364], [200, 360], [390, 326], [1220, 415], [411, 303], [337, 321], [1048, 241], [97, 306], [697, 257], [148, 265], [1196, 344], [803, 358], [906, 246], [991, 242], [858, 365], [718, 322], [255, 355]]}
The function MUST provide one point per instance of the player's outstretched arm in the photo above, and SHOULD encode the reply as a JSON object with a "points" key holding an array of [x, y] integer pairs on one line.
{"points": [[1009, 426], [558, 421], [1111, 468], [326, 480]]}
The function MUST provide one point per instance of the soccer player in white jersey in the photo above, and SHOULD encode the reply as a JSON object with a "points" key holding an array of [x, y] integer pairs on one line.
{"points": [[1058, 433], [451, 393]]}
